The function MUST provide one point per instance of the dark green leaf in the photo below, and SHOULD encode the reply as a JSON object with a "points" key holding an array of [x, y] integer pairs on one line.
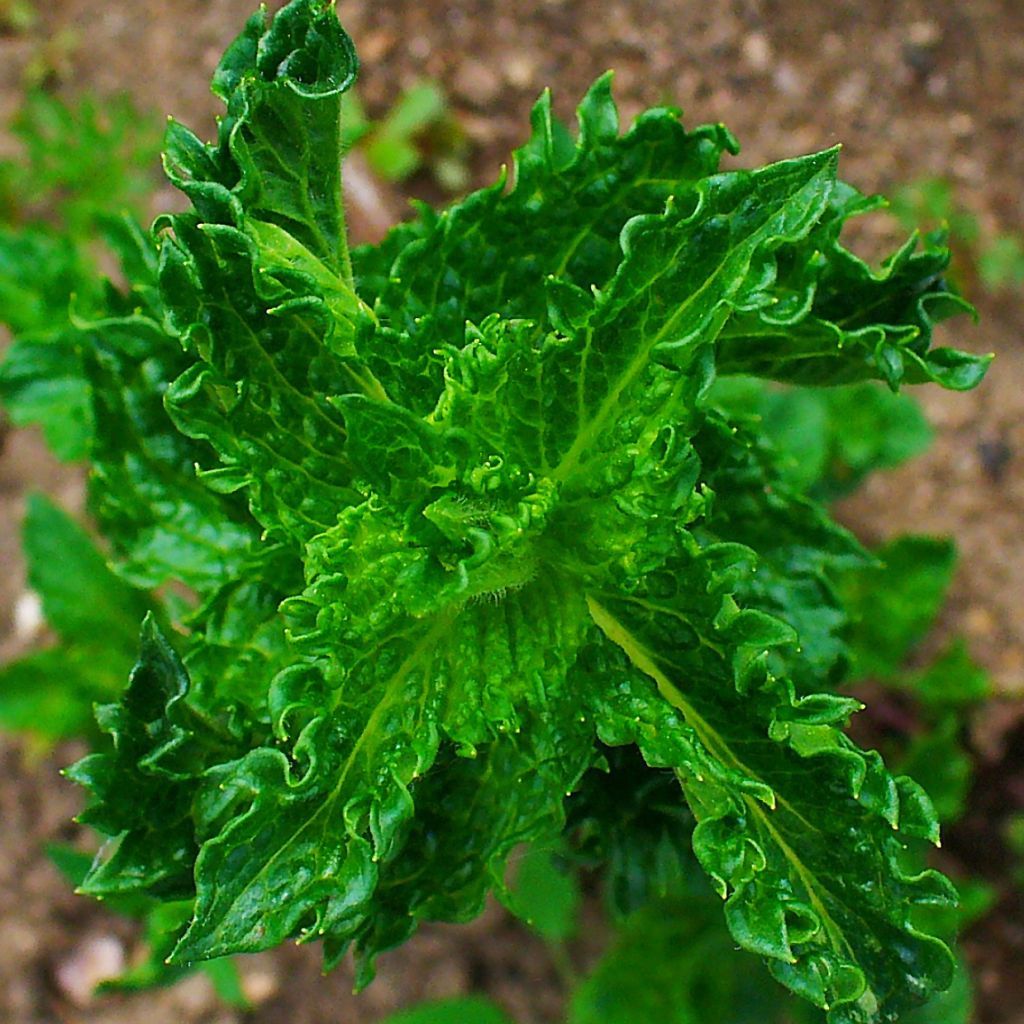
{"points": [[143, 790]]}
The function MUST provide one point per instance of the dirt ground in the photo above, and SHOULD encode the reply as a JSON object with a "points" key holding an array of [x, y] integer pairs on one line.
{"points": [[912, 89]]}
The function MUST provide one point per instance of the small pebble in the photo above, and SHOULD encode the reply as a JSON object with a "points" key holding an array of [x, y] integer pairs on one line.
{"points": [[852, 91], [194, 997], [925, 34], [757, 50], [520, 69], [994, 455], [979, 621], [477, 83], [96, 959], [259, 986], [1011, 671], [375, 46], [787, 79], [28, 615], [961, 124]]}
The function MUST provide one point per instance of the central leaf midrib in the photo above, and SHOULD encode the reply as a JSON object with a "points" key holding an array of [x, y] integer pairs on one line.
{"points": [[590, 431], [426, 644], [620, 635]]}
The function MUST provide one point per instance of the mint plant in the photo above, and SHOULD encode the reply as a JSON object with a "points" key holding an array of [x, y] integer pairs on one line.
{"points": [[470, 539]]}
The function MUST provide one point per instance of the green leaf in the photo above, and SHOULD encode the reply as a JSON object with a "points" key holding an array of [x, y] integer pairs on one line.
{"points": [[945, 769], [494, 251], [895, 603], [143, 790], [79, 161], [257, 276], [674, 963], [953, 680], [51, 693], [954, 1006], [788, 883], [41, 377], [828, 439], [392, 149], [873, 429], [165, 523], [546, 894], [463, 1010], [329, 818], [227, 982], [82, 599], [836, 320], [631, 821], [71, 863]]}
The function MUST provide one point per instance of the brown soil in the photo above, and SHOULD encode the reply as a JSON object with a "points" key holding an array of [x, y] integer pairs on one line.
{"points": [[912, 90]]}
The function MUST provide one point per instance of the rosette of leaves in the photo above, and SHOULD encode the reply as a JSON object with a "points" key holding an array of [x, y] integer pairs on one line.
{"points": [[461, 519]]}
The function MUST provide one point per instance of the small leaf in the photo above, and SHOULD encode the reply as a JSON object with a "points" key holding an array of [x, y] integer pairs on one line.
{"points": [[464, 1010], [82, 598], [545, 894], [894, 604]]}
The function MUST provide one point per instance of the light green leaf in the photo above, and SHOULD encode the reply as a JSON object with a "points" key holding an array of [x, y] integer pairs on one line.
{"points": [[952, 680], [895, 603], [51, 693], [463, 1010], [82, 599], [546, 893]]}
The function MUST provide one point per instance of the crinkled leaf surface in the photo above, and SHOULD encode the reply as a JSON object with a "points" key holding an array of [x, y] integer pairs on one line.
{"points": [[466, 525]]}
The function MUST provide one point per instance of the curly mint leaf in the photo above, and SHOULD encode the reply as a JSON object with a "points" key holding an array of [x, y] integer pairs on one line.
{"points": [[494, 252], [828, 937], [342, 796], [467, 526], [146, 490], [143, 790], [836, 320], [257, 275]]}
